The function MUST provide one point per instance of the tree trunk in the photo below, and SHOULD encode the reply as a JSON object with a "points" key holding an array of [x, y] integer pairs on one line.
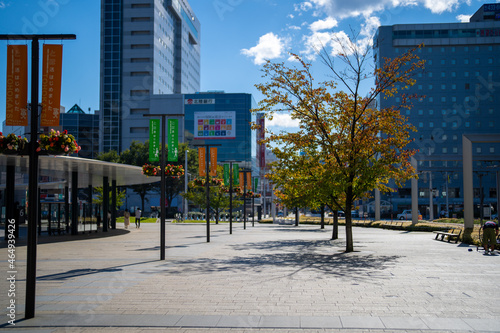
{"points": [[335, 233], [348, 225], [296, 216], [322, 217]]}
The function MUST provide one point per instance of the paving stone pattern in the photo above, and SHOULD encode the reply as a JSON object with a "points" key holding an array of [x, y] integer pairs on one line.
{"points": [[267, 278]]}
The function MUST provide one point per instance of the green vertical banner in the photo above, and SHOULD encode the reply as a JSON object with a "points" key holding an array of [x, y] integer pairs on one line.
{"points": [[173, 140], [154, 140], [236, 174], [255, 184], [226, 174]]}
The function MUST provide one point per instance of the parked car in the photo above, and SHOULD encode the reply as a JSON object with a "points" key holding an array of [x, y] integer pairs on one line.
{"points": [[406, 215]]}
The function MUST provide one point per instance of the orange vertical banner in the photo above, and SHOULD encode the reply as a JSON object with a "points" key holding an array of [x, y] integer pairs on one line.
{"points": [[202, 167], [17, 86], [213, 162], [249, 181], [242, 179], [51, 85]]}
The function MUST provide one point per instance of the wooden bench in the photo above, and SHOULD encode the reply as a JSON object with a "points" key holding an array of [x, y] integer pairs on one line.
{"points": [[451, 235]]}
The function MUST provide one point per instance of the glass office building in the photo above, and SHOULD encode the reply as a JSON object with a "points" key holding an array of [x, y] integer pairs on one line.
{"points": [[148, 48], [460, 84]]}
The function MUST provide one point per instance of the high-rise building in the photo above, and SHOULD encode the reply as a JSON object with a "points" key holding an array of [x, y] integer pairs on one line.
{"points": [[460, 95], [148, 47]]}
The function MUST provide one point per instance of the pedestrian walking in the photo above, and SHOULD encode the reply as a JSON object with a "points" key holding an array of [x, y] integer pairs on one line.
{"points": [[138, 218], [126, 218], [490, 233]]}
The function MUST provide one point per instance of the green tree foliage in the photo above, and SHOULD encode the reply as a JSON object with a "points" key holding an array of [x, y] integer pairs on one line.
{"points": [[99, 199], [345, 146]]}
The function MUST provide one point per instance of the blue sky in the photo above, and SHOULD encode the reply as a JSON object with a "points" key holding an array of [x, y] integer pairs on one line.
{"points": [[236, 35]]}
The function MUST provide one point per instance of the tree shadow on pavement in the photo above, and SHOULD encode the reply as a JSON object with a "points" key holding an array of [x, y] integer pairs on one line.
{"points": [[291, 258]]}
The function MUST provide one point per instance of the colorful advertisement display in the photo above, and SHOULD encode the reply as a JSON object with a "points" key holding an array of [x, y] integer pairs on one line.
{"points": [[215, 125], [51, 85], [17, 85]]}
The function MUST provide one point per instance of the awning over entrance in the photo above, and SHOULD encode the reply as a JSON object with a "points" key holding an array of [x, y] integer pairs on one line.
{"points": [[90, 172]]}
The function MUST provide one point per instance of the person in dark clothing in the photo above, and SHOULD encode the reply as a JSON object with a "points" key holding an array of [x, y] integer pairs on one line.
{"points": [[490, 233]]}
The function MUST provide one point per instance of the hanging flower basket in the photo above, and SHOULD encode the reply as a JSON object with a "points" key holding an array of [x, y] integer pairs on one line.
{"points": [[251, 194], [13, 144], [199, 182], [150, 170], [57, 143], [174, 171]]}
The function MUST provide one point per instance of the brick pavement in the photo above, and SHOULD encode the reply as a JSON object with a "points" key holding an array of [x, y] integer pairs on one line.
{"points": [[269, 278]]}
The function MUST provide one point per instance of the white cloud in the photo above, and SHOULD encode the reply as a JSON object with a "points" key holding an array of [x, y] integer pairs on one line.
{"points": [[319, 40], [269, 47], [283, 120], [294, 27], [328, 23], [463, 18], [303, 7]]}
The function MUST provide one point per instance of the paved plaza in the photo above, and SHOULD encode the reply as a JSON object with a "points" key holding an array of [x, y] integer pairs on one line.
{"points": [[267, 278]]}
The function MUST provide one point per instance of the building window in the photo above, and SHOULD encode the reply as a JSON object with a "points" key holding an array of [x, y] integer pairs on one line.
{"points": [[419, 87], [490, 111], [430, 74], [453, 86], [454, 124], [430, 86], [443, 74], [455, 137], [478, 124], [443, 125], [420, 124], [467, 86], [491, 124], [467, 124], [444, 137], [420, 112], [478, 150], [466, 74], [445, 150], [443, 86], [492, 150], [476, 61], [139, 129], [453, 61], [453, 98], [466, 61], [455, 150], [453, 74], [431, 112], [443, 99], [443, 61], [490, 61], [431, 124]]}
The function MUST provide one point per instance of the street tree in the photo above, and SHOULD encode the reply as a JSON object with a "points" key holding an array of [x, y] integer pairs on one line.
{"points": [[348, 146]]}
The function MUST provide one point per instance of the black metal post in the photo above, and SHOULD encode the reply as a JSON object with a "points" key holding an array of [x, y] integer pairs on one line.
{"points": [[74, 203], [113, 204], [9, 200], [105, 203], [66, 207], [33, 167], [162, 177], [230, 198], [207, 189]]}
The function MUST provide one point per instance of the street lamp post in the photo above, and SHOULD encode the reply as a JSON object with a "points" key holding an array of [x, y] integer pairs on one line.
{"points": [[33, 166], [162, 178], [207, 185]]}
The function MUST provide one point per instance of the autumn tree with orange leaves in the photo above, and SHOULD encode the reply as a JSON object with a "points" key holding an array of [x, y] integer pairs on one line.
{"points": [[345, 147]]}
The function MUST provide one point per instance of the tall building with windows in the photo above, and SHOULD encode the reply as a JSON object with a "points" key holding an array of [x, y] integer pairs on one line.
{"points": [[461, 85], [148, 47]]}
